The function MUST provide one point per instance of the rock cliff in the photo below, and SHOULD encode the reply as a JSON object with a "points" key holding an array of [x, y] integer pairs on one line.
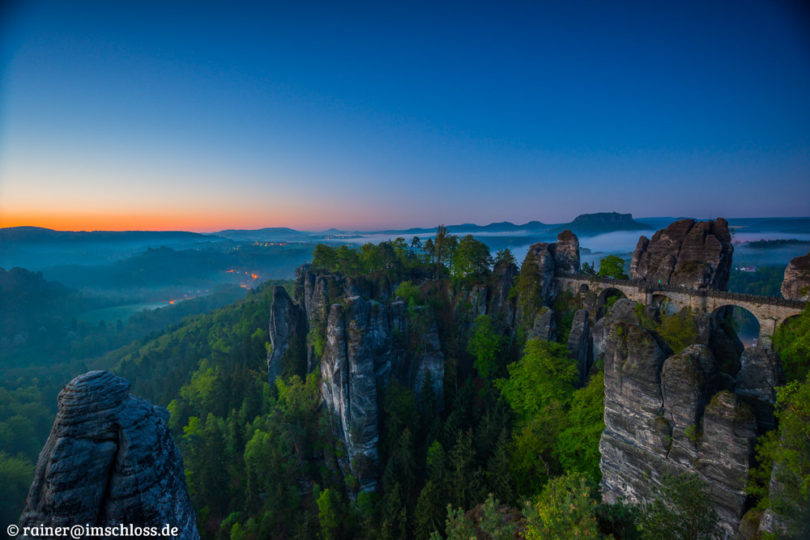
{"points": [[796, 285], [566, 253], [109, 460], [359, 336], [663, 415], [288, 335], [554, 259], [580, 344], [688, 253]]}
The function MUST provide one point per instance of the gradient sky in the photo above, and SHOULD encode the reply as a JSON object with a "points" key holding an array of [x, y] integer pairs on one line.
{"points": [[204, 116]]}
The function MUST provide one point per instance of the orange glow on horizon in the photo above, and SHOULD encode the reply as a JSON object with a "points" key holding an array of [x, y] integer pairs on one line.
{"points": [[203, 221]]}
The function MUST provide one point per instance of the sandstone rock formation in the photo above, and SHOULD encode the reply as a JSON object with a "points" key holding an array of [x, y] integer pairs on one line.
{"points": [[359, 336], [760, 373], [288, 334], [566, 253], [687, 253], [542, 255], [554, 259], [109, 460], [796, 284], [544, 326], [580, 344], [499, 306], [662, 416]]}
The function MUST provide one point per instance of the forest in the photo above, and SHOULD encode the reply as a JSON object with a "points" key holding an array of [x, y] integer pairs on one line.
{"points": [[512, 448]]}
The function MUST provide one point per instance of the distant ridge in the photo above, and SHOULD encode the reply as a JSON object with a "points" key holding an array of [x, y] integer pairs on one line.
{"points": [[41, 234], [287, 234], [602, 222], [284, 234], [501, 226]]}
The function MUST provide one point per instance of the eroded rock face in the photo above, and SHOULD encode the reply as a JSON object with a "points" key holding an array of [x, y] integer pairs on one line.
{"points": [[288, 334], [663, 417], [109, 460], [353, 335], [725, 450], [367, 339], [688, 253], [542, 255], [558, 258], [760, 373], [544, 326], [566, 253], [499, 306], [580, 344], [796, 285]]}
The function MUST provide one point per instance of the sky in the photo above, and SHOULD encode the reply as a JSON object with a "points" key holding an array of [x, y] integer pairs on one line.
{"points": [[209, 115]]}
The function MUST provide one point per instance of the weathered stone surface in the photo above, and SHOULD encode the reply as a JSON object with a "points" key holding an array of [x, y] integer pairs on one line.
{"points": [[684, 381], [500, 307], [796, 284], [659, 419], [109, 460], [756, 382], [542, 255], [566, 253], [688, 253], [622, 311], [636, 435], [544, 326], [364, 347], [315, 291], [580, 344], [729, 434], [288, 335], [559, 258]]}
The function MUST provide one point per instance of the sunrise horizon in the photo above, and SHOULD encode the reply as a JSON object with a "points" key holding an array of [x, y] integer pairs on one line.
{"points": [[128, 116], [113, 223]]}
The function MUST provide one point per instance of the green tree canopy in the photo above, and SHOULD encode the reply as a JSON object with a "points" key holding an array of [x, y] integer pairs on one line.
{"points": [[471, 258], [564, 510], [544, 374], [612, 267], [485, 345], [792, 342], [683, 512], [792, 458]]}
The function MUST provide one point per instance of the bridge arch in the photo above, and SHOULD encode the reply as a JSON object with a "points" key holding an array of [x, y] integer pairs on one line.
{"points": [[746, 324], [664, 302], [769, 312], [607, 297]]}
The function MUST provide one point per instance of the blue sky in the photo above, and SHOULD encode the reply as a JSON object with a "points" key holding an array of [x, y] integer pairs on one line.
{"points": [[203, 116]]}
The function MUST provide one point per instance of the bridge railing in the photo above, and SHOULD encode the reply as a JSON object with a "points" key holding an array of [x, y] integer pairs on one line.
{"points": [[648, 287]]}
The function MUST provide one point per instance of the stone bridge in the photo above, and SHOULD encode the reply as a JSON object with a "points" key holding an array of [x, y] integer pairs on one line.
{"points": [[770, 312]]}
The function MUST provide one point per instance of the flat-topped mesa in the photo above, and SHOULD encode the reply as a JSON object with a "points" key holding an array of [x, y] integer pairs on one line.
{"points": [[796, 285], [109, 460], [689, 253]]}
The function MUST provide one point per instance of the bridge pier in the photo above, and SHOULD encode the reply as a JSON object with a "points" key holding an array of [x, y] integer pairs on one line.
{"points": [[767, 327]]}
